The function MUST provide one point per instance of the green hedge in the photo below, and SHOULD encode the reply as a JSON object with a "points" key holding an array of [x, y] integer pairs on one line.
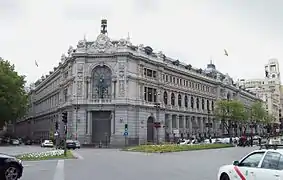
{"points": [[175, 147]]}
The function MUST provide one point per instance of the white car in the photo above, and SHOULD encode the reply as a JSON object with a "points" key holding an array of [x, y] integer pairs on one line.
{"points": [[264, 164], [15, 142], [47, 143]]}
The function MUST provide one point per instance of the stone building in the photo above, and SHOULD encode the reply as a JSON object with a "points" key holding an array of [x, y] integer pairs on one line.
{"points": [[267, 88], [106, 84]]}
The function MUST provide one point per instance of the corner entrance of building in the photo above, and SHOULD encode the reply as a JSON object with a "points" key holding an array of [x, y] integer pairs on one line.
{"points": [[150, 129], [101, 127]]}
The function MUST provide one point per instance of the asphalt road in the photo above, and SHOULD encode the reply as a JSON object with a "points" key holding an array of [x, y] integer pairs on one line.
{"points": [[109, 164]]}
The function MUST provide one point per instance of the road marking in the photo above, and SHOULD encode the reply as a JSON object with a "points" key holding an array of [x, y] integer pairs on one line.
{"points": [[59, 172], [77, 155]]}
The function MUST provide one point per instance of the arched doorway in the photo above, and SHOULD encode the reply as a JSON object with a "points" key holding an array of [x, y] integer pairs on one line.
{"points": [[150, 129]]}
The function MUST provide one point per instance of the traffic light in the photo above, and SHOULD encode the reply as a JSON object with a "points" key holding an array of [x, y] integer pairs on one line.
{"points": [[56, 125], [65, 117], [126, 127]]}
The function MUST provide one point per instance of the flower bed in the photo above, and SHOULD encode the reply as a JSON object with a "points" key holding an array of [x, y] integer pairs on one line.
{"points": [[54, 154], [175, 148]]}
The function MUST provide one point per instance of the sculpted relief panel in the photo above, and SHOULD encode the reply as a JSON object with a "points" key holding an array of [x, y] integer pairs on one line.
{"points": [[121, 70]]}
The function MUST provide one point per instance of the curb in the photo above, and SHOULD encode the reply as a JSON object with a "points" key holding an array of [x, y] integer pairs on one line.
{"points": [[77, 155]]}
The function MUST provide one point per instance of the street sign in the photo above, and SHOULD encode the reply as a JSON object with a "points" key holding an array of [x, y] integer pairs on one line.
{"points": [[56, 134], [126, 133]]}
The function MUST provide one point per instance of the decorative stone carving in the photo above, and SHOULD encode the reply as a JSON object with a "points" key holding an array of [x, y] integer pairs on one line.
{"points": [[141, 47], [80, 68], [218, 76], [70, 50], [227, 80], [81, 44], [79, 88], [121, 88], [63, 58], [122, 43], [121, 74], [101, 44], [121, 70], [80, 75], [121, 66]]}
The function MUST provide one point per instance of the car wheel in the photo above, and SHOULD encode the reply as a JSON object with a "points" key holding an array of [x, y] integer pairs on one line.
{"points": [[11, 172], [224, 176]]}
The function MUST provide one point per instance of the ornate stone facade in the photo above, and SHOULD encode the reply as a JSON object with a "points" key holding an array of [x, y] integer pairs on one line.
{"points": [[106, 84]]}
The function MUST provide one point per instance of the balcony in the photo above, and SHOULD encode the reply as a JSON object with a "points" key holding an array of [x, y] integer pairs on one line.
{"points": [[100, 101]]}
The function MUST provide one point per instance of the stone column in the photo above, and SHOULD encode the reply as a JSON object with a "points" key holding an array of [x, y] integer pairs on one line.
{"points": [[184, 122], [195, 103], [112, 123], [200, 119], [170, 123], [89, 122], [190, 125], [177, 122]]}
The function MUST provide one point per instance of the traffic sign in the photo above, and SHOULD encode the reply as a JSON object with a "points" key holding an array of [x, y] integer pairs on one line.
{"points": [[126, 133]]}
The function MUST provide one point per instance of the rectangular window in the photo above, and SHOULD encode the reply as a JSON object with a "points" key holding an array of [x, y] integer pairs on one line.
{"points": [[145, 93], [154, 74], [65, 92], [154, 95], [149, 73], [150, 94]]}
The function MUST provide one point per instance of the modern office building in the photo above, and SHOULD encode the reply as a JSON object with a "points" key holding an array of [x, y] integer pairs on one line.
{"points": [[105, 85], [268, 88]]}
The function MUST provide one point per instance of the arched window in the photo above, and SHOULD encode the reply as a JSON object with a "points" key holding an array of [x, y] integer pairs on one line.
{"points": [[179, 100], [172, 99], [165, 97], [197, 103], [202, 104], [186, 101], [192, 102], [101, 82]]}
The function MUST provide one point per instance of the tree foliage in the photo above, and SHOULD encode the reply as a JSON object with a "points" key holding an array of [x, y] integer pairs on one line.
{"points": [[258, 113], [13, 98], [232, 112]]}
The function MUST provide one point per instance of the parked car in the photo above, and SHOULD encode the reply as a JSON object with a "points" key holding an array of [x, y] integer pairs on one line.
{"points": [[78, 144], [71, 144], [28, 142], [15, 142], [11, 168], [47, 143]]}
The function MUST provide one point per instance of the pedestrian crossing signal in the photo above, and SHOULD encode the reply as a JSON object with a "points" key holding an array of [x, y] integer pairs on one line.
{"points": [[126, 127]]}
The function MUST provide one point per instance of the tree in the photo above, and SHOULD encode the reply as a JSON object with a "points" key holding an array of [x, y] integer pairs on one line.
{"points": [[13, 98], [258, 115], [230, 112]]}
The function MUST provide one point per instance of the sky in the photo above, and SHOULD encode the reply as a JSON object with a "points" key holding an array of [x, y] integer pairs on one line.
{"points": [[193, 31]]}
